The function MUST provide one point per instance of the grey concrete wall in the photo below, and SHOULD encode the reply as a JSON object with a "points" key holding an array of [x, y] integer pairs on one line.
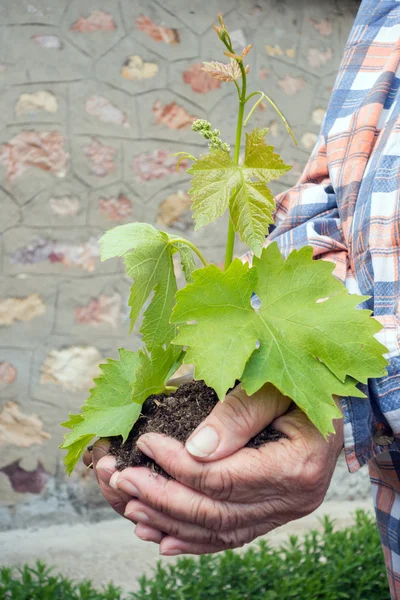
{"points": [[94, 98]]}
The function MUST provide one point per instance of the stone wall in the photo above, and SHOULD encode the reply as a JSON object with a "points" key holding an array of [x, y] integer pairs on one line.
{"points": [[95, 97]]}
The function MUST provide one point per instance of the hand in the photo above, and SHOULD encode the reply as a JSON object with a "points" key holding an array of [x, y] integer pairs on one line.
{"points": [[224, 495]]}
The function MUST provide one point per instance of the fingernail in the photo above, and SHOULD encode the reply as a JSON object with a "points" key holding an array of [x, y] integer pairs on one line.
{"points": [[145, 449], [98, 452], [113, 480], [138, 516], [203, 443], [120, 483], [107, 464], [171, 552]]}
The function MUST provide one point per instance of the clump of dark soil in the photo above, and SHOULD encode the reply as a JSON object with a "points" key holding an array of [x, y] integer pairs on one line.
{"points": [[176, 415]]}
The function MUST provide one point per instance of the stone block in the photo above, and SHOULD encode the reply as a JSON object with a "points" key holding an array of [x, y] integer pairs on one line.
{"points": [[98, 307], [94, 26], [323, 51], [199, 15], [254, 13], [21, 429], [15, 369], [30, 12], [293, 92], [66, 252], [64, 366], [32, 158], [35, 53], [186, 79], [36, 103], [165, 117], [99, 109], [279, 35], [10, 213], [159, 31], [114, 205], [26, 311], [8, 497], [46, 416], [150, 165], [131, 67], [96, 160], [61, 205]]}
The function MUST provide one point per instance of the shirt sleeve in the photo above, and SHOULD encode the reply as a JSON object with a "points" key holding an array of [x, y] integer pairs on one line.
{"points": [[307, 214]]}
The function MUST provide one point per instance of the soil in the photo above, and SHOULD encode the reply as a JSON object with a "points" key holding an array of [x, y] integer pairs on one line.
{"points": [[176, 415]]}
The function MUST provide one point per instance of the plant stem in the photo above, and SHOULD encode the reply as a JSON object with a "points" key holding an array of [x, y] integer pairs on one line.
{"points": [[192, 246], [230, 241], [170, 388]]}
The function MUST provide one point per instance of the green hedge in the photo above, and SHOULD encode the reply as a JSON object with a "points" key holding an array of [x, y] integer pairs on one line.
{"points": [[330, 565]]}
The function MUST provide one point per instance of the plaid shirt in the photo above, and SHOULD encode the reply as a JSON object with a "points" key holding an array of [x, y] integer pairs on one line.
{"points": [[346, 205]]}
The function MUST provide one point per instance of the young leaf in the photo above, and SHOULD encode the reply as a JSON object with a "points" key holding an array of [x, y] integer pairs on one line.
{"points": [[214, 177], [260, 160], [252, 203], [223, 71], [115, 402], [218, 183], [312, 341], [252, 206], [151, 267]]}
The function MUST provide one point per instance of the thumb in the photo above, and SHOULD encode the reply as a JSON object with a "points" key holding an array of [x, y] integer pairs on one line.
{"points": [[235, 421]]}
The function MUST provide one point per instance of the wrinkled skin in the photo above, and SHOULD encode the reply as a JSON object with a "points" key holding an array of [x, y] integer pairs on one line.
{"points": [[232, 495]]}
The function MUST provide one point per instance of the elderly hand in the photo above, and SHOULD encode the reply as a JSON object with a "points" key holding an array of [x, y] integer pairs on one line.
{"points": [[222, 494]]}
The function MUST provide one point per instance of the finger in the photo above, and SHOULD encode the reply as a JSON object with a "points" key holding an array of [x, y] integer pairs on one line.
{"points": [[100, 449], [148, 534], [185, 504], [87, 459], [297, 426], [173, 546], [235, 478], [116, 498], [138, 512], [235, 421]]}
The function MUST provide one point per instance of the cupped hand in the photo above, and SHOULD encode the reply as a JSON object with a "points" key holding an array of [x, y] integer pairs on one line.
{"points": [[222, 494]]}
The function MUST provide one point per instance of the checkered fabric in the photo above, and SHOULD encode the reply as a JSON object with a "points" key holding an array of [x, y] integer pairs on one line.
{"points": [[385, 479], [346, 205]]}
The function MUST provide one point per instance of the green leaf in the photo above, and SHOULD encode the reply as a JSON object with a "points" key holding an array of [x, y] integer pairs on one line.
{"points": [[187, 260], [120, 240], [218, 183], [252, 206], [213, 300], [115, 402], [214, 177], [154, 370], [260, 160], [308, 348], [75, 451], [252, 203], [151, 267]]}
